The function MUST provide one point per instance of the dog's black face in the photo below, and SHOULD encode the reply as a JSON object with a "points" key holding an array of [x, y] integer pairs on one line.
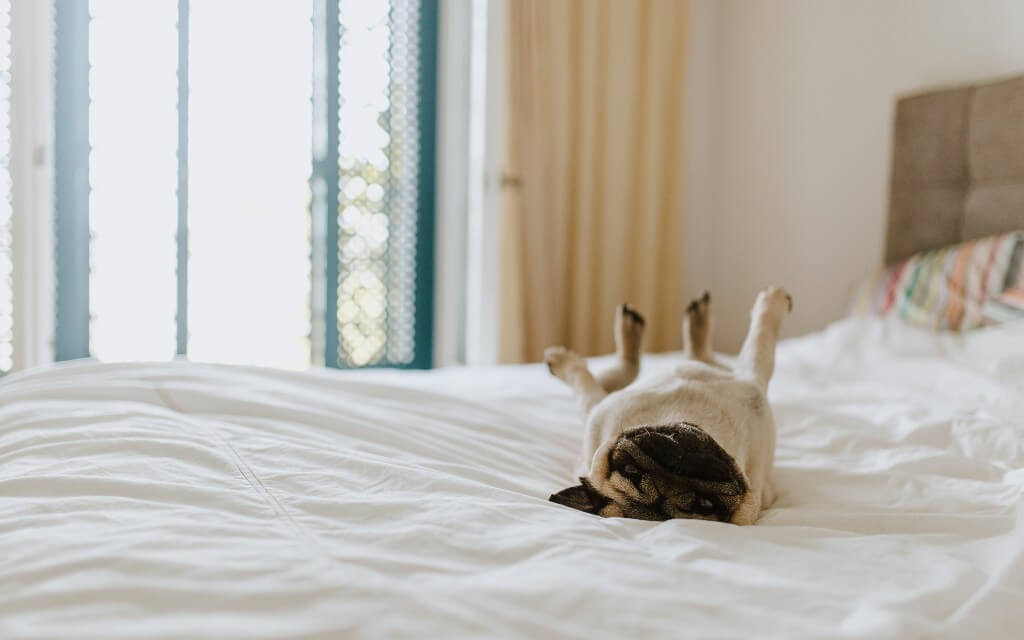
{"points": [[662, 472]]}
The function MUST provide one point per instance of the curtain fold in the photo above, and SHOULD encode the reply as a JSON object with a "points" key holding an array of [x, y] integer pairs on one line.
{"points": [[592, 200]]}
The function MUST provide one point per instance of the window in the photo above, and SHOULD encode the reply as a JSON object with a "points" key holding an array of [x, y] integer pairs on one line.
{"points": [[245, 182]]}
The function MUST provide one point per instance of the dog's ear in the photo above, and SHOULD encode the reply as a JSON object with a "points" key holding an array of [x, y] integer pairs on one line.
{"points": [[583, 497]]}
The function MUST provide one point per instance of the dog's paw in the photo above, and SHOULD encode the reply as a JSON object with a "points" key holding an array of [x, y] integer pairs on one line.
{"points": [[698, 312], [773, 301], [562, 362], [629, 331]]}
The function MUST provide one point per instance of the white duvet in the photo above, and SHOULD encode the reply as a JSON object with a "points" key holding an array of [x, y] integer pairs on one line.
{"points": [[182, 501]]}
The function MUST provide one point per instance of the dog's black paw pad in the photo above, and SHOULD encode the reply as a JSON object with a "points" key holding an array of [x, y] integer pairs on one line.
{"points": [[633, 313]]}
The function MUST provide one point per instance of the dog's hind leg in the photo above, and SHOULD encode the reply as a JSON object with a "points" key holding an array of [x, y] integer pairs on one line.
{"points": [[571, 369], [757, 357], [629, 336], [697, 330]]}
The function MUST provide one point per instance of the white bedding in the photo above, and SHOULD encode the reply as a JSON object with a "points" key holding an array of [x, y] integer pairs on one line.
{"points": [[180, 500]]}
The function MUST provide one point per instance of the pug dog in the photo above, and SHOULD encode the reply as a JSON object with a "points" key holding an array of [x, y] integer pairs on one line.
{"points": [[697, 443]]}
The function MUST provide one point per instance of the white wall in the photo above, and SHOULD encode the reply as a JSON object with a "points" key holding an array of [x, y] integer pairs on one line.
{"points": [[790, 116]]}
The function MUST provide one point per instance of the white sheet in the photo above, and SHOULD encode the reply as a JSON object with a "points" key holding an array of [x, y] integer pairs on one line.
{"points": [[181, 500]]}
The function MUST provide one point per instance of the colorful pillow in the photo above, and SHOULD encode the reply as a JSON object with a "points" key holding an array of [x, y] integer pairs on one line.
{"points": [[962, 287], [1008, 307]]}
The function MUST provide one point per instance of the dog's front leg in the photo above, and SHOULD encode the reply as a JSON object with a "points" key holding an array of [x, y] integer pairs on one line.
{"points": [[571, 369], [629, 336]]}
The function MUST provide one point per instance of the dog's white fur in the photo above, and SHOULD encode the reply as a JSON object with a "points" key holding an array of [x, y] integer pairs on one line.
{"points": [[729, 404]]}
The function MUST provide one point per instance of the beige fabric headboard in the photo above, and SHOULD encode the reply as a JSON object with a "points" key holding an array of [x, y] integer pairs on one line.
{"points": [[958, 167]]}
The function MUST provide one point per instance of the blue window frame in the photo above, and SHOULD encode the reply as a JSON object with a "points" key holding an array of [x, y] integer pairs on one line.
{"points": [[71, 174], [371, 190]]}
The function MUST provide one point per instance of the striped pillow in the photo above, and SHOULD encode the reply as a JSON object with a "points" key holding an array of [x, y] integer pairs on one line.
{"points": [[957, 288], [1007, 307]]}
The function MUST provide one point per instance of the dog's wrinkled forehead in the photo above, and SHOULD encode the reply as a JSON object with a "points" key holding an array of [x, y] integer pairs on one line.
{"points": [[682, 449]]}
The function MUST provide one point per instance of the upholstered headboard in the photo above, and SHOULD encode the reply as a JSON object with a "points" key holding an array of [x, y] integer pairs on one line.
{"points": [[958, 167]]}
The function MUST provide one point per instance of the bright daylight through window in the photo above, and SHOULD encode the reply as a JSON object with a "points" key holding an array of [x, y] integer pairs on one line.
{"points": [[216, 137]]}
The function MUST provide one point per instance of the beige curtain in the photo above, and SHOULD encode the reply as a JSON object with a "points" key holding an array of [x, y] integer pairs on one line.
{"points": [[592, 188]]}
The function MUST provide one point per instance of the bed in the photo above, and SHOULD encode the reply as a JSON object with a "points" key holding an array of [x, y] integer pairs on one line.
{"points": [[181, 500]]}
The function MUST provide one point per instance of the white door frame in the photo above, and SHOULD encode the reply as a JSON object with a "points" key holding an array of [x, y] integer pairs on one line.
{"points": [[32, 181], [470, 138]]}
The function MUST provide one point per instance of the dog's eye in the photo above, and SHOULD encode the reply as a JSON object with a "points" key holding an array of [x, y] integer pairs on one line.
{"points": [[704, 506], [631, 470]]}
